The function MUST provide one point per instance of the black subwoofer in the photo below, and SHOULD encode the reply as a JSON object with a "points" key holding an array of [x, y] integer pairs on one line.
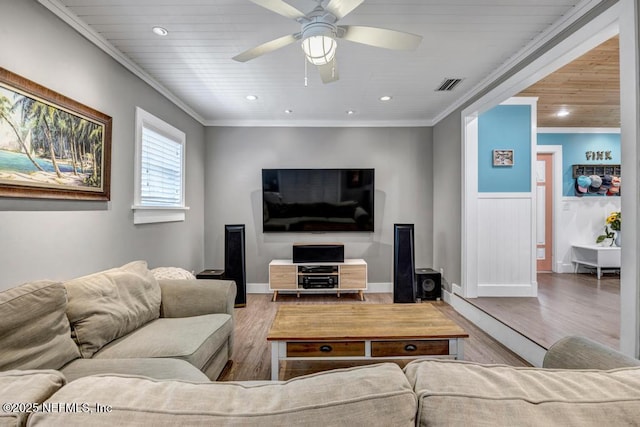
{"points": [[404, 284], [234, 264], [428, 284]]}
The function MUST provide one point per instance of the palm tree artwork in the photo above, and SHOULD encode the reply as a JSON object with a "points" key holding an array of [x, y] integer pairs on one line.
{"points": [[44, 145]]}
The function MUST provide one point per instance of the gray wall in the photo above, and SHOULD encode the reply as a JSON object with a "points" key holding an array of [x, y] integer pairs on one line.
{"points": [[402, 158], [447, 182], [62, 239]]}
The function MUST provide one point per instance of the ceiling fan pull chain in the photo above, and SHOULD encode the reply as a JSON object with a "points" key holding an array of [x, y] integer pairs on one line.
{"points": [[306, 80]]}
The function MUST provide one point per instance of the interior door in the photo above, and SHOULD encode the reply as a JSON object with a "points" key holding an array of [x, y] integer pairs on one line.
{"points": [[544, 214]]}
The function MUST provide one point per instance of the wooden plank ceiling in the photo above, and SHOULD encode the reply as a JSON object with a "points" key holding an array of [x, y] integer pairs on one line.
{"points": [[588, 88], [461, 39]]}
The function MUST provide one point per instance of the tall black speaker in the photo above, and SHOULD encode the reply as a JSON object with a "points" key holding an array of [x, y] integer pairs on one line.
{"points": [[428, 283], [234, 265], [404, 283]]}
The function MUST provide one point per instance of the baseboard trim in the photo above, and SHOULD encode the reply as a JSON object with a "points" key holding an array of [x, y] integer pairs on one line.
{"points": [[511, 290], [513, 340], [258, 288], [565, 268]]}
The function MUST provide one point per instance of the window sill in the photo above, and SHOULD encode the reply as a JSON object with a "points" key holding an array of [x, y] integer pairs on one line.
{"points": [[153, 214]]}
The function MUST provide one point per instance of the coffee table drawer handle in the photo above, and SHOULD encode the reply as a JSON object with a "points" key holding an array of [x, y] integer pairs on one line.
{"points": [[410, 347], [325, 348]]}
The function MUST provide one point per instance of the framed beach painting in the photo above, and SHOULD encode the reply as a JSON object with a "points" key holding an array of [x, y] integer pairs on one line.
{"points": [[51, 146]]}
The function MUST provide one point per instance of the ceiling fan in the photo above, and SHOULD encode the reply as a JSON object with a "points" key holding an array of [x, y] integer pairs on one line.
{"points": [[319, 34]]}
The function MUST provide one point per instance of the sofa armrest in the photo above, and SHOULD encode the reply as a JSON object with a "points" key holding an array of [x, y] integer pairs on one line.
{"points": [[582, 353], [191, 297]]}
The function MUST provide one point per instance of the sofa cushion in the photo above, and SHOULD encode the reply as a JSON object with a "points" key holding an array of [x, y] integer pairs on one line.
{"points": [[458, 393], [365, 396], [161, 369], [34, 330], [107, 305], [24, 391], [194, 339]]}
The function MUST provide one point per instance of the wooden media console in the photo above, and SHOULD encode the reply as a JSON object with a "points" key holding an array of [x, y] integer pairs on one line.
{"points": [[286, 276]]}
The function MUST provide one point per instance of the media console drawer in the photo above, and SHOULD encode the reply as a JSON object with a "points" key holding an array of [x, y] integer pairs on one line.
{"points": [[325, 349], [410, 348]]}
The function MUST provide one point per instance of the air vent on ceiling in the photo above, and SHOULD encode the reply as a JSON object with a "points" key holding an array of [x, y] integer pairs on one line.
{"points": [[448, 84]]}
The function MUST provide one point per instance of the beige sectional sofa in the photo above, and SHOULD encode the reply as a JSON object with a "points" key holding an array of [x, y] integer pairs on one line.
{"points": [[122, 374], [121, 321], [425, 393]]}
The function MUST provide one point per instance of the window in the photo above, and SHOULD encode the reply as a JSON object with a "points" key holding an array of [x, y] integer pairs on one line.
{"points": [[159, 175]]}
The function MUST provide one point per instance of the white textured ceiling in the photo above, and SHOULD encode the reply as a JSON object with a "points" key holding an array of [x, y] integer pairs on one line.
{"points": [[469, 39]]}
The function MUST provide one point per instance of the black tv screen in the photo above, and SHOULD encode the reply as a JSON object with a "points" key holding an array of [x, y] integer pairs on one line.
{"points": [[317, 199]]}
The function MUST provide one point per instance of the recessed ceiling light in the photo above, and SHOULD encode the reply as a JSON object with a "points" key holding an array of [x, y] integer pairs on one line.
{"points": [[350, 112], [160, 31], [385, 98], [562, 113], [288, 111], [251, 97]]}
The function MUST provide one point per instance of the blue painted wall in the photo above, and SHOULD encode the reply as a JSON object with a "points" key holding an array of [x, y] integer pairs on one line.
{"points": [[505, 127], [574, 147]]}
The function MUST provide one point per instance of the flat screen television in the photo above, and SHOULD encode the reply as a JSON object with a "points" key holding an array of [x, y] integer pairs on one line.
{"points": [[317, 200]]}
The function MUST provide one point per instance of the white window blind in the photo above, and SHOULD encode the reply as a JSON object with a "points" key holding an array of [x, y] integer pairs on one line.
{"points": [[161, 170]]}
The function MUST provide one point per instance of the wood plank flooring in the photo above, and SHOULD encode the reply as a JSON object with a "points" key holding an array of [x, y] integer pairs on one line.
{"points": [[567, 304], [252, 356]]}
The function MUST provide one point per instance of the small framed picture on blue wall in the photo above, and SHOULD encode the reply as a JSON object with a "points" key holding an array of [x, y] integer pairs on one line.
{"points": [[502, 157]]}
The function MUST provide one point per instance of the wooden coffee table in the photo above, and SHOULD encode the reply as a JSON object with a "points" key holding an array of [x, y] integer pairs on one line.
{"points": [[362, 332]]}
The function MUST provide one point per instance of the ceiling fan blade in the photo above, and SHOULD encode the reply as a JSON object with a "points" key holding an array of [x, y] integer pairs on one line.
{"points": [[281, 8], [341, 8], [380, 37], [329, 71], [266, 48]]}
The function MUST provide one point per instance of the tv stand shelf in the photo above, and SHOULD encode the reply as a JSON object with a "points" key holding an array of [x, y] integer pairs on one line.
{"points": [[285, 276]]}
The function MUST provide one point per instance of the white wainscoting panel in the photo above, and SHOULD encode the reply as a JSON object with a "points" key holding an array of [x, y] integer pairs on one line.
{"points": [[505, 246]]}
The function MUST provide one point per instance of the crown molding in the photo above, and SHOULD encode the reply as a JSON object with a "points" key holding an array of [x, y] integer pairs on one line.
{"points": [[62, 12], [320, 123]]}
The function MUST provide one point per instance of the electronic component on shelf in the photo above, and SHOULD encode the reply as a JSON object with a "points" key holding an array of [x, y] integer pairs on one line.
{"points": [[319, 282], [322, 269]]}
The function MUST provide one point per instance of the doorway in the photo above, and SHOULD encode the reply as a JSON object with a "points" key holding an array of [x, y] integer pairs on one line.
{"points": [[544, 213], [599, 29]]}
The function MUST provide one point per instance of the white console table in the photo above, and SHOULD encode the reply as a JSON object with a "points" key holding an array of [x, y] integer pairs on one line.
{"points": [[596, 256]]}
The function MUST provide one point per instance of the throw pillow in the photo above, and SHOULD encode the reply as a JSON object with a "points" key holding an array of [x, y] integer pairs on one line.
{"points": [[34, 330], [107, 305], [171, 273]]}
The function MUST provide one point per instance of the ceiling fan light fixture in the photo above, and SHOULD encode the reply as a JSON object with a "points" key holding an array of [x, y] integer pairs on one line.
{"points": [[319, 50]]}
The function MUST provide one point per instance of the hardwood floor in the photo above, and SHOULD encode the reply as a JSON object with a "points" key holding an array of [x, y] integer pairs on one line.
{"points": [[252, 356], [567, 304]]}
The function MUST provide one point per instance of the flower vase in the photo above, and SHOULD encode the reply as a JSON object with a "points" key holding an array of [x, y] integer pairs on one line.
{"points": [[618, 239]]}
